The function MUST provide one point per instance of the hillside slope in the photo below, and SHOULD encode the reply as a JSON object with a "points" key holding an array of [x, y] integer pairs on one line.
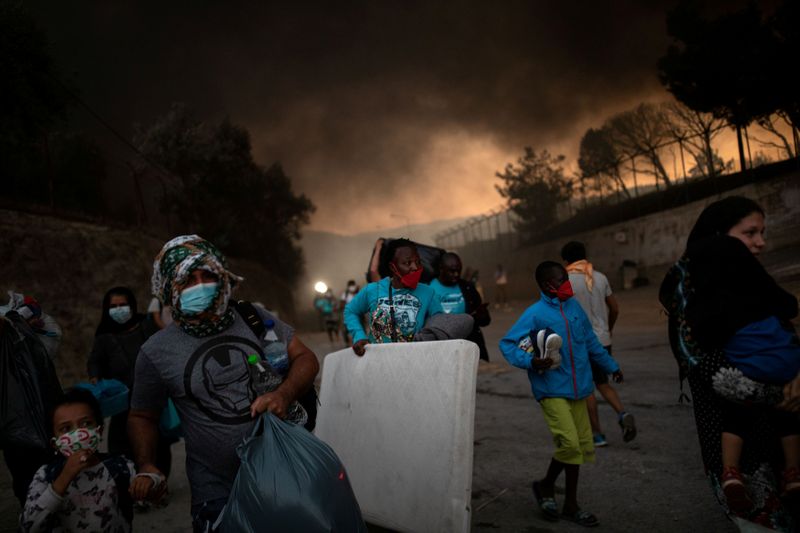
{"points": [[68, 266]]}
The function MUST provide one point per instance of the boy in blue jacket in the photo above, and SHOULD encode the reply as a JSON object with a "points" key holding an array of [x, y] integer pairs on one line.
{"points": [[561, 389]]}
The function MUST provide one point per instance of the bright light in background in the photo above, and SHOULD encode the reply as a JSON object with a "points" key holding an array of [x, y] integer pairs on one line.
{"points": [[320, 287]]}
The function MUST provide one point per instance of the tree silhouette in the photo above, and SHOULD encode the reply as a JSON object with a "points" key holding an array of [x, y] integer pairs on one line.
{"points": [[784, 31], [720, 66], [770, 123], [41, 160], [641, 132], [534, 188], [694, 130], [222, 194], [31, 104], [600, 161]]}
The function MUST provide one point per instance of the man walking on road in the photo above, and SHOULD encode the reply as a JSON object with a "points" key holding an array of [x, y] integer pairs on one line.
{"points": [[593, 292], [397, 306], [203, 363]]}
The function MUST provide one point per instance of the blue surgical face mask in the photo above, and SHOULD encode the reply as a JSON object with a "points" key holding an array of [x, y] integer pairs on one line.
{"points": [[120, 314], [198, 298]]}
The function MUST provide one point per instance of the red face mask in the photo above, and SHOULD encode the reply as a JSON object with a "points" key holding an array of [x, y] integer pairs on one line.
{"points": [[411, 280], [564, 291]]}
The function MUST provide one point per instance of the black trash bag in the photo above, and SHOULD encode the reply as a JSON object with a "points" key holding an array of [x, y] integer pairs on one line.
{"points": [[29, 386], [429, 255], [289, 480]]}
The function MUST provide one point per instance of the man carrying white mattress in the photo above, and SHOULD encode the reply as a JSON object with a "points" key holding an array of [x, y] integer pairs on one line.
{"points": [[399, 308]]}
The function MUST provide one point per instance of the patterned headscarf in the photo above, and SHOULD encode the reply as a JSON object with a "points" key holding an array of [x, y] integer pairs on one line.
{"points": [[177, 259]]}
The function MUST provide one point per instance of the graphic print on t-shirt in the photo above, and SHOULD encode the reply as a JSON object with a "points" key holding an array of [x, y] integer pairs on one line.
{"points": [[453, 302], [218, 378], [406, 309]]}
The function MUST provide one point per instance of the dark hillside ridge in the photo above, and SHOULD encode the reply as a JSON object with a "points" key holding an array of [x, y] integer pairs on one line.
{"points": [[68, 265]]}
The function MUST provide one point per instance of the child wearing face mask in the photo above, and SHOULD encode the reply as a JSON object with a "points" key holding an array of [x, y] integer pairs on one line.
{"points": [[83, 489], [561, 388]]}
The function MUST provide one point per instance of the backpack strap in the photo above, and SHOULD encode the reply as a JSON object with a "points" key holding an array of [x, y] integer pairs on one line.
{"points": [[117, 466], [251, 317], [392, 323]]}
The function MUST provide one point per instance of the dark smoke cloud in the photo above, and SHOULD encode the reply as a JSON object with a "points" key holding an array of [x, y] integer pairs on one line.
{"points": [[372, 107]]}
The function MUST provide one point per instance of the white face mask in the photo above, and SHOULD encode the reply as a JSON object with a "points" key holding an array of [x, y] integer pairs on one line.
{"points": [[121, 314], [351, 288]]}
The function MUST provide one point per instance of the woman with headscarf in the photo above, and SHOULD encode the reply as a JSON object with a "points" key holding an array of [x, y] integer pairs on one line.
{"points": [[717, 288], [119, 337], [220, 374]]}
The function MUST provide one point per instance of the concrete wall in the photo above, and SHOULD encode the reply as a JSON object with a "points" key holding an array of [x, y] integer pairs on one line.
{"points": [[653, 242]]}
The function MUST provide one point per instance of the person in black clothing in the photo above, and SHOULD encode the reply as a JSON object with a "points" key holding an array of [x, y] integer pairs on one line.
{"points": [[717, 287], [119, 337], [449, 277], [30, 388]]}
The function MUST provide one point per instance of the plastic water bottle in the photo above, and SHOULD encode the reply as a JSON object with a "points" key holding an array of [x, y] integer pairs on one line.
{"points": [[277, 356], [258, 373]]}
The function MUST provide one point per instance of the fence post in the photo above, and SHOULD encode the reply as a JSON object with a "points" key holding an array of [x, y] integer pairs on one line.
{"points": [[683, 162]]}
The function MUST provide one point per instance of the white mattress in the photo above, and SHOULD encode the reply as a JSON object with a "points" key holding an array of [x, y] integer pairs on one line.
{"points": [[401, 419]]}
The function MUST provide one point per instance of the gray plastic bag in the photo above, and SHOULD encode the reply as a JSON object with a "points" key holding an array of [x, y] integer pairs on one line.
{"points": [[289, 480]]}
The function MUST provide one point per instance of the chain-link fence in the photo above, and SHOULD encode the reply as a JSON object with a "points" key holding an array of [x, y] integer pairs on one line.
{"points": [[670, 174]]}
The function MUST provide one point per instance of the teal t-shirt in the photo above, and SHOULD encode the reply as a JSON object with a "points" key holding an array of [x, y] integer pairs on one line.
{"points": [[451, 298], [411, 309]]}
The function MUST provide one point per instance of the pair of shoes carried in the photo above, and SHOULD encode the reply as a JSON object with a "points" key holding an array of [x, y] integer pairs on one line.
{"points": [[582, 518], [628, 425], [791, 482], [547, 344], [547, 505], [599, 440], [735, 492]]}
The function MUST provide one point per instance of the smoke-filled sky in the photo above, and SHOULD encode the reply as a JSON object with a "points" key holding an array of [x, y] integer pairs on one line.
{"points": [[380, 111]]}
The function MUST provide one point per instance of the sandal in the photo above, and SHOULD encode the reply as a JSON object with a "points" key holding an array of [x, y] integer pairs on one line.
{"points": [[735, 492], [547, 505], [582, 518]]}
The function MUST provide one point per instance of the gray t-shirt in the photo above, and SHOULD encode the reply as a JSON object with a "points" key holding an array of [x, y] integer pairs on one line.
{"points": [[594, 303], [212, 386]]}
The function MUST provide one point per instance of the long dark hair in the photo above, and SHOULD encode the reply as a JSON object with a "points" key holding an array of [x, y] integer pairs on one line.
{"points": [[108, 324], [719, 217]]}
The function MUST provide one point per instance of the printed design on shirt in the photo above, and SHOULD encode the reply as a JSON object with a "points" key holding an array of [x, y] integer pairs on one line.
{"points": [[406, 309], [221, 382], [91, 503], [452, 301]]}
